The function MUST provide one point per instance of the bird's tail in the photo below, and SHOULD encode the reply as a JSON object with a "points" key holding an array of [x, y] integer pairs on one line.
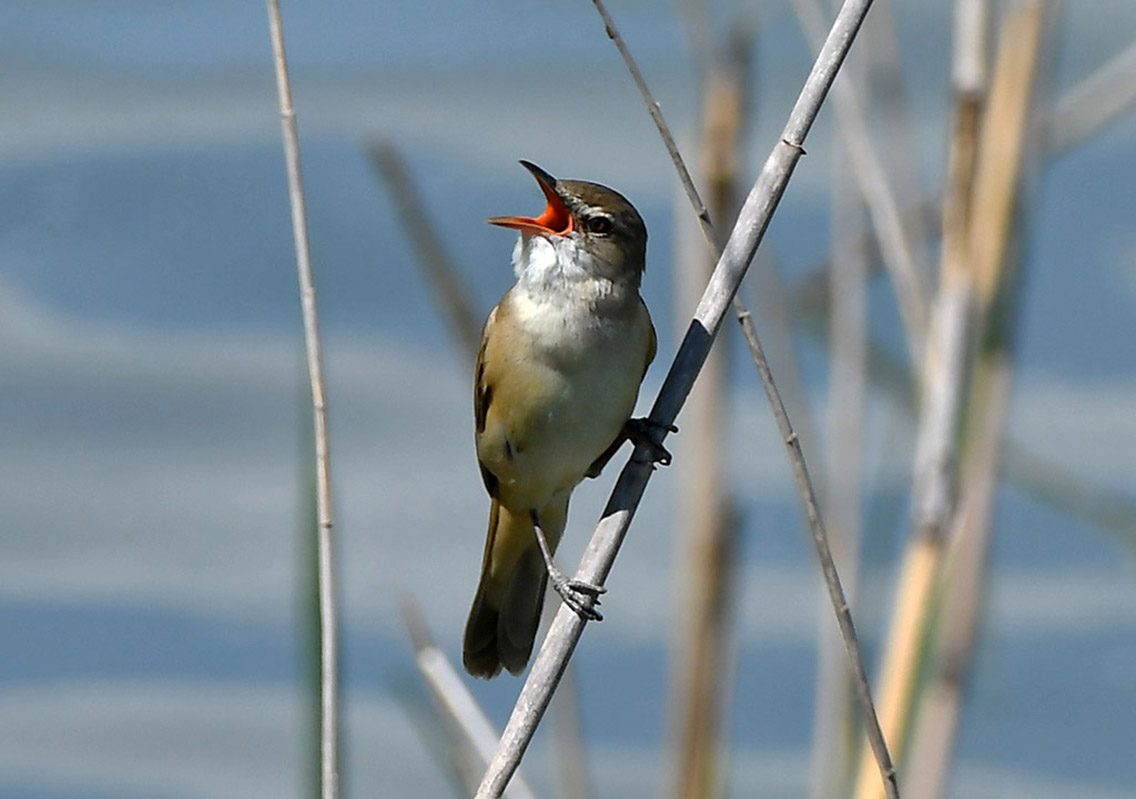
{"points": [[506, 610]]}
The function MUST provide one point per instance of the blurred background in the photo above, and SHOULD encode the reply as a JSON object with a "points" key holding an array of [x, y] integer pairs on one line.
{"points": [[155, 475]]}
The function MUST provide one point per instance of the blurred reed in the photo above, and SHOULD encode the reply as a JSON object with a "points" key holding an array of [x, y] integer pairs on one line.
{"points": [[977, 257], [993, 233], [707, 541]]}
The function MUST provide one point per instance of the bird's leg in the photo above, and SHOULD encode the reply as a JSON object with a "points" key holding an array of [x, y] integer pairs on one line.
{"points": [[599, 463], [637, 431], [580, 596]]}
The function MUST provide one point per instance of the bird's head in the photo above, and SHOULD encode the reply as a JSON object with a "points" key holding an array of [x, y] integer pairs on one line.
{"points": [[590, 225]]}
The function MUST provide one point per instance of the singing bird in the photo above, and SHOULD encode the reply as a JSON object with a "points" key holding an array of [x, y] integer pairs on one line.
{"points": [[561, 360]]}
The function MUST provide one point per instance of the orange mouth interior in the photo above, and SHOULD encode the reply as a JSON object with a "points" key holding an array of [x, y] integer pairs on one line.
{"points": [[555, 219]]}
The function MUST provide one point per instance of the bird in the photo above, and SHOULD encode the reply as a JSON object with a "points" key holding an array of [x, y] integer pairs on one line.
{"points": [[561, 359]]}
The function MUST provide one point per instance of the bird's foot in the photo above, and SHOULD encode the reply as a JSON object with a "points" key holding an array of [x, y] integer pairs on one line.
{"points": [[579, 595], [648, 434], [582, 597]]}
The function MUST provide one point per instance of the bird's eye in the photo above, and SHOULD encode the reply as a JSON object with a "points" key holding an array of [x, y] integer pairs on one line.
{"points": [[600, 225]]}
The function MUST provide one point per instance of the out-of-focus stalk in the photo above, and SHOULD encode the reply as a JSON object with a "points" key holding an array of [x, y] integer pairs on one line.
{"points": [[702, 665], [442, 277], [983, 175], [992, 233], [469, 733]]}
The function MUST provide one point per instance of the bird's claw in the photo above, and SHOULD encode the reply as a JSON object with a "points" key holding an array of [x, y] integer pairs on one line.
{"points": [[647, 434], [582, 597]]}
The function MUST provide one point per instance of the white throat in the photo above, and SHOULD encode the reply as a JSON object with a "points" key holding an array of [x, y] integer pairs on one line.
{"points": [[539, 261], [557, 270]]}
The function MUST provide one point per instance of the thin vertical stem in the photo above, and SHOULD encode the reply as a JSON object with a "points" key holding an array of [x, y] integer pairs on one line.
{"points": [[329, 643], [875, 735]]}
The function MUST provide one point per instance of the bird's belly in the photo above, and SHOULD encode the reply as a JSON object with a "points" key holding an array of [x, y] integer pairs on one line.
{"points": [[566, 416]]}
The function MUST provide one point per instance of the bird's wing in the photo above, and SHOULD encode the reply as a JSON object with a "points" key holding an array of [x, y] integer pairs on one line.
{"points": [[653, 346], [482, 397]]}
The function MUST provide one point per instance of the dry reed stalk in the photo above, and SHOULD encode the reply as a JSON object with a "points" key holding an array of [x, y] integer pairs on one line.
{"points": [[992, 232], [874, 733], [567, 626], [328, 616], [708, 532], [978, 231], [940, 706]]}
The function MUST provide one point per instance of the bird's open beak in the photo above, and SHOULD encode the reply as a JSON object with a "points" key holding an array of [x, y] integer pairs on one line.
{"points": [[555, 219]]}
